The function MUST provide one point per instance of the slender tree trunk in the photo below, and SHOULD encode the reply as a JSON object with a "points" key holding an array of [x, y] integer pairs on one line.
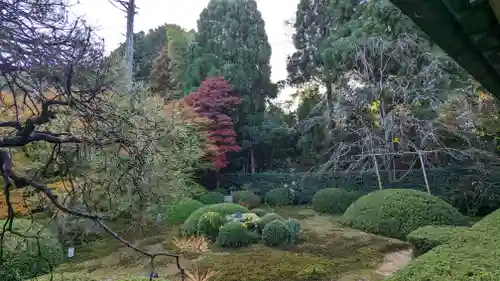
{"points": [[375, 163], [129, 43], [422, 164], [252, 161]]}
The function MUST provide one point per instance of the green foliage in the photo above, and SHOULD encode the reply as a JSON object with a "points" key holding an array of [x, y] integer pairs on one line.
{"points": [[191, 224], [181, 210], [234, 235], [275, 233], [212, 197], [279, 196], [490, 223], [259, 212], [25, 258], [397, 212], [246, 198], [333, 200], [312, 272], [428, 237], [293, 226], [209, 225], [267, 218]]}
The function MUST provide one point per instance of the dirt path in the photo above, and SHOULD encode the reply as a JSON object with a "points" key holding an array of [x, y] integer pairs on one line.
{"points": [[394, 261]]}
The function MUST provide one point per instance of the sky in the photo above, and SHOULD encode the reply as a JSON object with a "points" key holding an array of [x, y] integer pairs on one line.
{"points": [[111, 23]]}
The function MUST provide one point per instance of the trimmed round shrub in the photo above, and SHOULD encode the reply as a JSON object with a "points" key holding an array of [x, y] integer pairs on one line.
{"points": [[490, 223], [246, 198], [259, 212], [267, 218], [333, 200], [397, 212], [234, 235], [190, 226], [182, 209], [275, 233], [428, 237], [293, 226], [279, 197], [209, 225], [21, 257], [212, 197]]}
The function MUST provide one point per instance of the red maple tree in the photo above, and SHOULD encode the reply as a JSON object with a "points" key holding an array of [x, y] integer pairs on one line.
{"points": [[216, 101]]}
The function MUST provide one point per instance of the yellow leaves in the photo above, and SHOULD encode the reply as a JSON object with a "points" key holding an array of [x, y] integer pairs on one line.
{"points": [[375, 106], [395, 140], [18, 203]]}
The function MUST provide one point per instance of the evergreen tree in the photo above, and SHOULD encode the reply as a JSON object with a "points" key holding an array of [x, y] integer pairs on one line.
{"points": [[232, 42], [161, 80]]}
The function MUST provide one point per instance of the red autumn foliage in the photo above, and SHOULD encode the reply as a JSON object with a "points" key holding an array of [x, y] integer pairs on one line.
{"points": [[216, 101]]}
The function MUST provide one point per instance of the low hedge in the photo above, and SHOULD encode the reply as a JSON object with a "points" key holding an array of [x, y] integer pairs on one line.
{"points": [[234, 235], [333, 200], [397, 212], [22, 259], [182, 209], [211, 197], [470, 255], [428, 237], [189, 227], [246, 198]]}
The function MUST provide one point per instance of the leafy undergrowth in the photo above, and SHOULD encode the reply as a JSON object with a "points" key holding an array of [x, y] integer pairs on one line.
{"points": [[326, 251]]}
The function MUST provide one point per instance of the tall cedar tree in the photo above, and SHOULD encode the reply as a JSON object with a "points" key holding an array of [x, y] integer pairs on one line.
{"points": [[217, 101], [232, 42]]}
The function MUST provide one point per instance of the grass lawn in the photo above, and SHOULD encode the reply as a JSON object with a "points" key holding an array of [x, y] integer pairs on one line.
{"points": [[326, 251]]}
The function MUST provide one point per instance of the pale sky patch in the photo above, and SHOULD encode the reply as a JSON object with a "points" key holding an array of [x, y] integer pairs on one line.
{"points": [[111, 24]]}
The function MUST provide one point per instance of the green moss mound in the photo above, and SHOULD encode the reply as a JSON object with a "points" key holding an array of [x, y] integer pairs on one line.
{"points": [[246, 198], [212, 197], [22, 258], [428, 237], [397, 212], [181, 210], [470, 255], [279, 197], [209, 225], [267, 218], [333, 200], [275, 233], [190, 226], [234, 235]]}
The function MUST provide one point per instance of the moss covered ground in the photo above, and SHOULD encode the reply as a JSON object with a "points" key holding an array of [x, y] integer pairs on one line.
{"points": [[325, 251]]}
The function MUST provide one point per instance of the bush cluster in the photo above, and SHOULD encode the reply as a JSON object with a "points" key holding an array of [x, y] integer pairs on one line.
{"points": [[234, 235], [209, 225], [275, 233], [259, 212], [211, 197], [190, 226], [397, 212], [267, 218], [246, 198], [21, 257], [182, 209], [279, 197], [470, 255], [333, 200]]}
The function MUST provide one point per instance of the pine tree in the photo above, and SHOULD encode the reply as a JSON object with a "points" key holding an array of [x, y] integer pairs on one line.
{"points": [[161, 80]]}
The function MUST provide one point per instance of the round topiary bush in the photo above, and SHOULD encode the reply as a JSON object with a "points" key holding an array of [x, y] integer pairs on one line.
{"points": [[333, 200], [212, 197], [181, 210], [275, 233], [209, 225], [233, 235], [246, 198], [21, 257], [279, 197], [267, 218], [190, 226], [397, 212]]}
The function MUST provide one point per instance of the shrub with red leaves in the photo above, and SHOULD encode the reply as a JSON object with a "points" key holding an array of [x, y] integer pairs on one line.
{"points": [[217, 101]]}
